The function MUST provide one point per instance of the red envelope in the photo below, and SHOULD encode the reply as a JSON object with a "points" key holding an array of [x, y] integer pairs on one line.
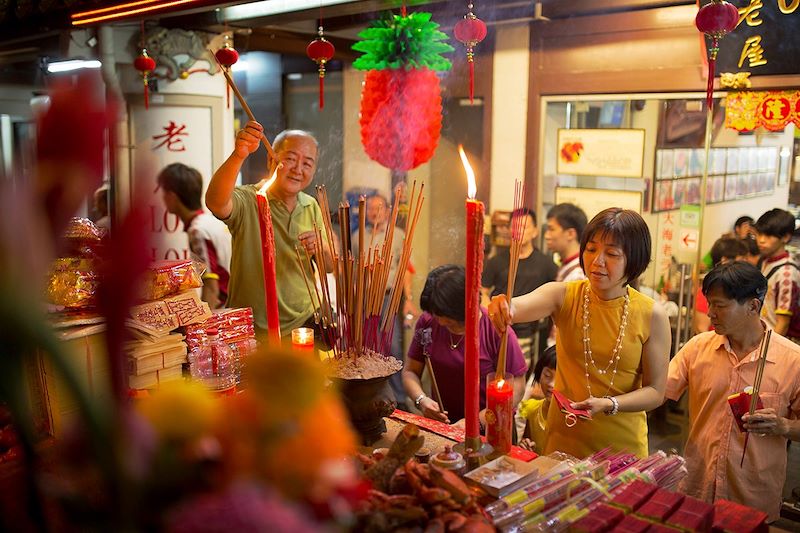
{"points": [[564, 404], [740, 405]]}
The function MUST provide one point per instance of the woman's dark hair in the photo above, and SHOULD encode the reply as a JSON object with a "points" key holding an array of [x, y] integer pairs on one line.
{"points": [[546, 360], [776, 223], [569, 216], [443, 294], [628, 230], [727, 248], [739, 281], [186, 182]]}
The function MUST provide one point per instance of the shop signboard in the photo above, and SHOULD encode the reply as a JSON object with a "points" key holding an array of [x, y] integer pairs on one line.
{"points": [[765, 41], [601, 152], [592, 201]]}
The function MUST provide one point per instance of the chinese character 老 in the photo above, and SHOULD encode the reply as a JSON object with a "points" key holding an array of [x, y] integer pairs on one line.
{"points": [[171, 137], [750, 13]]}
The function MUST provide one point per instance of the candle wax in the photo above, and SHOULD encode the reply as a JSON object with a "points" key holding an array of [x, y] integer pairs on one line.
{"points": [[268, 257], [472, 313]]}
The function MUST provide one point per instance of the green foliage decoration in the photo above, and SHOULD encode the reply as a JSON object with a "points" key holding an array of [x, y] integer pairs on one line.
{"points": [[396, 41]]}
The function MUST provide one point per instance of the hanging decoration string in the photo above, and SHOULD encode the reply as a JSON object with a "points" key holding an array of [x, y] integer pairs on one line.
{"points": [[715, 19], [470, 31], [145, 65], [320, 50]]}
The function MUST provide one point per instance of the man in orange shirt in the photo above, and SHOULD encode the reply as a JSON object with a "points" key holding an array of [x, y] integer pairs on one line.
{"points": [[716, 364]]}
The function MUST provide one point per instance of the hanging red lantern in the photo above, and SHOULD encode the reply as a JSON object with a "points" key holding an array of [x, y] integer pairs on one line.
{"points": [[145, 64], [716, 19], [320, 51], [227, 57], [470, 31]]}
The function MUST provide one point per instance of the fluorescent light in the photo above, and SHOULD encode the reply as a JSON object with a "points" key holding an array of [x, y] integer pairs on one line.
{"points": [[72, 64], [294, 76], [266, 8]]}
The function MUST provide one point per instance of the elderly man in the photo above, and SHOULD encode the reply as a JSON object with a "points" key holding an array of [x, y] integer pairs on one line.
{"points": [[716, 364], [294, 215]]}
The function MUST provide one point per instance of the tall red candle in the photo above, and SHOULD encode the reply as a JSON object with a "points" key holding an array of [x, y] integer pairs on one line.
{"points": [[499, 413], [268, 257], [472, 348]]}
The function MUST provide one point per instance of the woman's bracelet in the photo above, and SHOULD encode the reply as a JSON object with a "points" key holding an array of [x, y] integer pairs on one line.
{"points": [[419, 399], [614, 406]]}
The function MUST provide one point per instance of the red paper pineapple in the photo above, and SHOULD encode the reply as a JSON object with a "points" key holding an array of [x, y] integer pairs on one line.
{"points": [[401, 104]]}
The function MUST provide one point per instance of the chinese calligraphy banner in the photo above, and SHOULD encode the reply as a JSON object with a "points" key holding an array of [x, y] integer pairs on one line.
{"points": [[765, 41], [772, 110]]}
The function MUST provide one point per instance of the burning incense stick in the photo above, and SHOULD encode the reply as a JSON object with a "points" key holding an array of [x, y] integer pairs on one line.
{"points": [[762, 359], [518, 223]]}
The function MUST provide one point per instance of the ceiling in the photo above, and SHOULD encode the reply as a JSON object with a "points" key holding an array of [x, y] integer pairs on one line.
{"points": [[290, 32]]}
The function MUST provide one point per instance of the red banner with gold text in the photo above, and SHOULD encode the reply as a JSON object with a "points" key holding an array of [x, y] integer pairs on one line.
{"points": [[772, 110]]}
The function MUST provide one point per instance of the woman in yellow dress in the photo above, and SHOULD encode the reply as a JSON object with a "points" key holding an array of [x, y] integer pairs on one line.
{"points": [[612, 341]]}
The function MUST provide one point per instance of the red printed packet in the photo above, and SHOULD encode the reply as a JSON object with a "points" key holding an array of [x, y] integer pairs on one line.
{"points": [[740, 405], [564, 404]]}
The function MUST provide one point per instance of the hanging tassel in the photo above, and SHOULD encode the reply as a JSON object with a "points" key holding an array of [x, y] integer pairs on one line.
{"points": [[470, 31], [145, 64], [320, 51], [712, 61]]}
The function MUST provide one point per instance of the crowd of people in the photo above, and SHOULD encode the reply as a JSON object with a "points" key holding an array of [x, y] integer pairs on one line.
{"points": [[581, 338]]}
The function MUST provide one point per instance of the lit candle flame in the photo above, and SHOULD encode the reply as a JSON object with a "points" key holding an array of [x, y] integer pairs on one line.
{"points": [[472, 189], [267, 184], [501, 383]]}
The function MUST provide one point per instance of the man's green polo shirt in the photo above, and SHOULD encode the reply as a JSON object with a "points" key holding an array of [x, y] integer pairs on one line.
{"points": [[246, 287]]}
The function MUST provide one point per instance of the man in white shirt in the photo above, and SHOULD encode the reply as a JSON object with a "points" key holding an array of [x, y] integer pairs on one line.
{"points": [[209, 239], [565, 223]]}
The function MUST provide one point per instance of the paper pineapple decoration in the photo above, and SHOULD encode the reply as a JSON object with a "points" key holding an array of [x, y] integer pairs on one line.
{"points": [[401, 104]]}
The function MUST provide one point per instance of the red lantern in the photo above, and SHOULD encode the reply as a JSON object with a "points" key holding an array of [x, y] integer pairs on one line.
{"points": [[320, 51], [470, 31], [227, 57], [716, 19], [145, 64]]}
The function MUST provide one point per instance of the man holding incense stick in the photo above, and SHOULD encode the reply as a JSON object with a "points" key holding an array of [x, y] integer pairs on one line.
{"points": [[715, 366], [294, 215]]}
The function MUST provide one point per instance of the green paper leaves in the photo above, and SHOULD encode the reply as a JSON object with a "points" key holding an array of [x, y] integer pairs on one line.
{"points": [[408, 42]]}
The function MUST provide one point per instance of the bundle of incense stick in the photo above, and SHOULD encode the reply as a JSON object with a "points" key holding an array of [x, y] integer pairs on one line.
{"points": [[762, 360], [518, 222], [360, 321]]}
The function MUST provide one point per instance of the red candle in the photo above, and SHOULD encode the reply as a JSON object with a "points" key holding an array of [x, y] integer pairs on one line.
{"points": [[499, 413], [303, 339], [472, 310], [268, 257]]}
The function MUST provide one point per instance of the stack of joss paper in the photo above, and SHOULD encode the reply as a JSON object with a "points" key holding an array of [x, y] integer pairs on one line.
{"points": [[157, 353]]}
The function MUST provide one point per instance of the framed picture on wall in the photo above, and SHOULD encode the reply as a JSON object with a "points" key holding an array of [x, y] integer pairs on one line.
{"points": [[662, 196], [784, 163], [732, 161], [717, 161], [681, 163], [731, 184], [665, 167], [697, 162]]}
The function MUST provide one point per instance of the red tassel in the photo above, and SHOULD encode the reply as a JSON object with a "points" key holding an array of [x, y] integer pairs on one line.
{"points": [[471, 81], [321, 91], [712, 60], [146, 95], [228, 94]]}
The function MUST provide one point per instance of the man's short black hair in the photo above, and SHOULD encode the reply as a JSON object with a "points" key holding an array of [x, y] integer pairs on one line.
{"points": [[728, 248], [546, 360], [185, 182], [629, 231], [739, 281], [443, 294], [743, 220], [569, 216], [524, 211], [776, 223]]}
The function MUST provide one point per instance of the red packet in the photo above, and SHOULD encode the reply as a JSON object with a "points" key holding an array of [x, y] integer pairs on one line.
{"points": [[564, 404], [740, 405]]}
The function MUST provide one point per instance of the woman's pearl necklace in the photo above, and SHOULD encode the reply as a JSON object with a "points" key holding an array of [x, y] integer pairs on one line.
{"points": [[588, 358]]}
